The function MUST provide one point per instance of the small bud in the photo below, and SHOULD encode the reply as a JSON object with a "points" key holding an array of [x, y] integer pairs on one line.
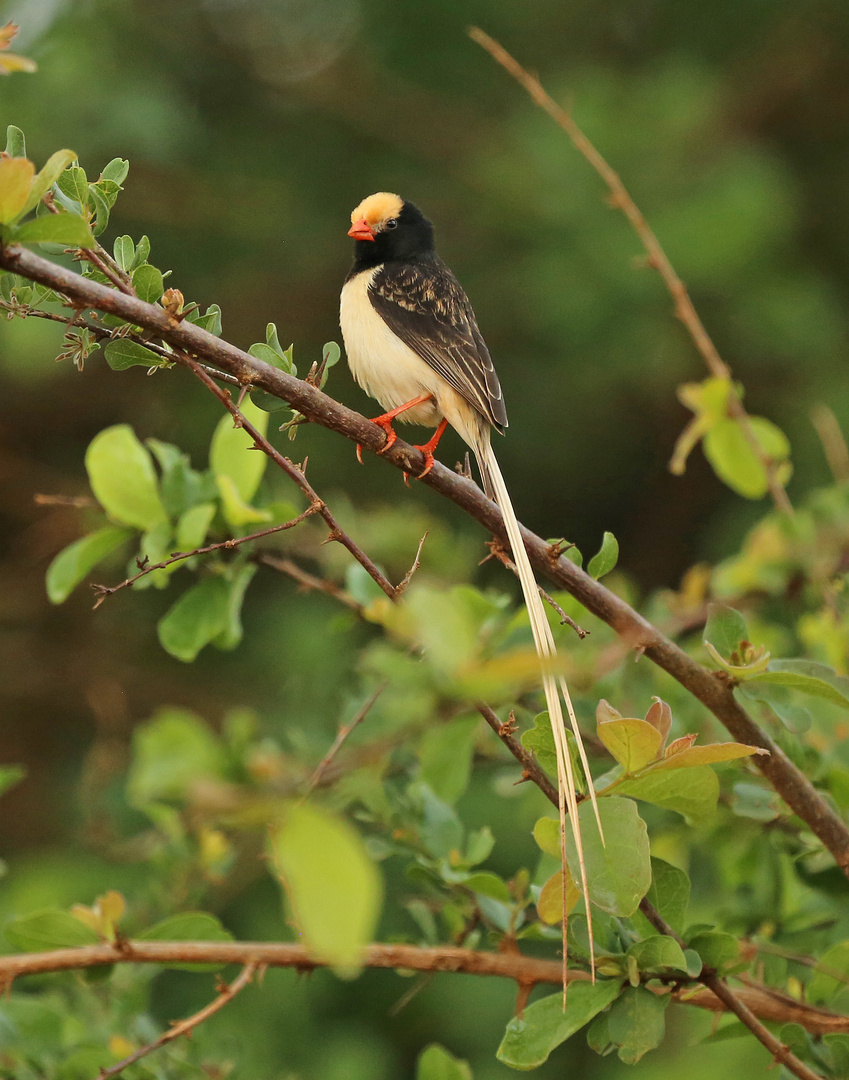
{"points": [[172, 300]]}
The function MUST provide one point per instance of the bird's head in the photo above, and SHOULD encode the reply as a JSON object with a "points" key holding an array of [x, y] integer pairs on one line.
{"points": [[387, 229]]}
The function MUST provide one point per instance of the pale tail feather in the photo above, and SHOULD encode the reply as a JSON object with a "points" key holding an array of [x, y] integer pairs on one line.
{"points": [[495, 488]]}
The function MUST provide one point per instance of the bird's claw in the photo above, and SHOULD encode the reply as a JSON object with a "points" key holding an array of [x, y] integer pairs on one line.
{"points": [[429, 461], [385, 425]]}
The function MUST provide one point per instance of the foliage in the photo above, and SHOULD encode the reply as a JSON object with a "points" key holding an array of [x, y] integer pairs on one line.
{"points": [[207, 813]]}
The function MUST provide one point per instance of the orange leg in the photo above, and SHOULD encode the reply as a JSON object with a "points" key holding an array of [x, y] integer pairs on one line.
{"points": [[427, 449], [385, 421]]}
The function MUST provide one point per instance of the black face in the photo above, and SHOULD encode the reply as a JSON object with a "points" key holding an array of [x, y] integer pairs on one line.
{"points": [[409, 239]]}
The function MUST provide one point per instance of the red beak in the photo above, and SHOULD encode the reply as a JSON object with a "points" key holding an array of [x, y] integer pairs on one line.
{"points": [[361, 230]]}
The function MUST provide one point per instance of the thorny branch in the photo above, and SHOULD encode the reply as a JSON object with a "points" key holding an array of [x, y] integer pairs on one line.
{"points": [[657, 257], [525, 970], [102, 591], [294, 472], [717, 696], [186, 1027]]}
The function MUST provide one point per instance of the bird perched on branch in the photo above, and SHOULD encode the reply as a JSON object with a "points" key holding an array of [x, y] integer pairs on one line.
{"points": [[413, 343]]}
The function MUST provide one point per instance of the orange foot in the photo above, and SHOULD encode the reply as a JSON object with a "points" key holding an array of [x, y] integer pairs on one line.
{"points": [[385, 421], [427, 449]]}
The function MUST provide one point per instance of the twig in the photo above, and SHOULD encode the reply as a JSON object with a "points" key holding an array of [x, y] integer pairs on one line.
{"points": [[309, 581], [787, 779], [292, 470], [657, 258], [102, 591], [445, 958], [833, 442], [78, 502], [344, 732], [531, 768], [101, 264], [185, 1027], [401, 587], [498, 551]]}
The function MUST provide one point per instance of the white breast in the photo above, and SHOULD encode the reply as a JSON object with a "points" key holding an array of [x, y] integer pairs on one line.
{"points": [[386, 368]]}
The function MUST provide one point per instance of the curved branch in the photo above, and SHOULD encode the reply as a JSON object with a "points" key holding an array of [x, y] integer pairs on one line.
{"points": [[525, 970], [789, 781]]}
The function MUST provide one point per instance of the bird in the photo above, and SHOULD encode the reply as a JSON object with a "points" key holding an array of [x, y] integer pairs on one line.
{"points": [[413, 343]]}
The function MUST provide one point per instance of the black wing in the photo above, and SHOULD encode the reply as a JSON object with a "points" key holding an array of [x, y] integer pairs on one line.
{"points": [[425, 306]]}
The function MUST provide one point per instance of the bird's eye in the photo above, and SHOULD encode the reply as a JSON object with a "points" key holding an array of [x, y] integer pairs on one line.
{"points": [[391, 223]]}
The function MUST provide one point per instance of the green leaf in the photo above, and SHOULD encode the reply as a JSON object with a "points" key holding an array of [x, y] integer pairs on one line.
{"points": [[193, 526], [435, 1063], [171, 752], [123, 251], [238, 583], [48, 929], [330, 354], [196, 619], [237, 512], [101, 209], [123, 479], [605, 558], [187, 926], [445, 756], [547, 835], [10, 775], [669, 893], [142, 253], [658, 955], [68, 229], [47, 177], [181, 486], [210, 321], [440, 830], [636, 1022], [796, 718], [147, 281], [711, 754], [121, 353], [755, 802], [530, 1038], [634, 743], [735, 462], [725, 629], [15, 142], [692, 793], [117, 171], [333, 886], [831, 978], [717, 950], [619, 868], [73, 183], [16, 176], [231, 454], [540, 741], [75, 561], [817, 680], [268, 355]]}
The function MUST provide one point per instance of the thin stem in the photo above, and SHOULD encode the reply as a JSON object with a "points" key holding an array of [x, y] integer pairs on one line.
{"points": [[344, 732], [187, 1026], [531, 768], [103, 591], [657, 258]]}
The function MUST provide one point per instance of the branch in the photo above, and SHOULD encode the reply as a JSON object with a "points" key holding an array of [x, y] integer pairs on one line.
{"points": [[531, 768], [185, 1027], [788, 780], [657, 258], [293, 471], [525, 970], [103, 591]]}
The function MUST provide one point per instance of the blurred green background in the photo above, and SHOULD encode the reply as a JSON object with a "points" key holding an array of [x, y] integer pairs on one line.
{"points": [[252, 128]]}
